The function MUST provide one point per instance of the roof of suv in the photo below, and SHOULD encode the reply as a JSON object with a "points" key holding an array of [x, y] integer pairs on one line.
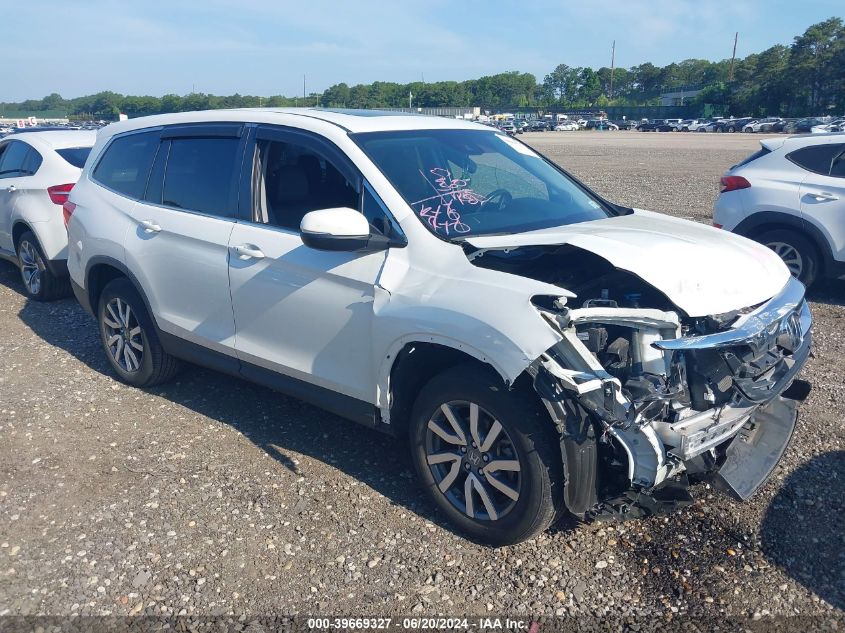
{"points": [[802, 140], [350, 120]]}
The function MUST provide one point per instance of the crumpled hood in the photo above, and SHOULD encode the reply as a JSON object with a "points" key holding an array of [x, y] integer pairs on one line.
{"points": [[701, 269]]}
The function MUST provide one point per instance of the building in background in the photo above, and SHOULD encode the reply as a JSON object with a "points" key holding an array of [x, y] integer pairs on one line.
{"points": [[28, 118]]}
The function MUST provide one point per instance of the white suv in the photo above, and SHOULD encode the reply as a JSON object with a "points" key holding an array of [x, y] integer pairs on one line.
{"points": [[790, 196], [542, 349], [37, 170]]}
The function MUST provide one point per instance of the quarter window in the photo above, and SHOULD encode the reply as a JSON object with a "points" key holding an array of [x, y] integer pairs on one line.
{"points": [[200, 174], [76, 156], [817, 158], [837, 170], [126, 162]]}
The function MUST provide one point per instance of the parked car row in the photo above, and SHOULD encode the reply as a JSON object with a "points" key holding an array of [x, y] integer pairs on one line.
{"points": [[748, 125], [542, 350], [80, 125]]}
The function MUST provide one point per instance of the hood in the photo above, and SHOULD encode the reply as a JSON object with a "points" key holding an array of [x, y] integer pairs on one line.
{"points": [[701, 269]]}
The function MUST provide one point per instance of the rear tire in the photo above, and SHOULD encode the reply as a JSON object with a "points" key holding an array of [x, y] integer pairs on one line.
{"points": [[129, 337], [797, 252], [39, 282], [510, 432]]}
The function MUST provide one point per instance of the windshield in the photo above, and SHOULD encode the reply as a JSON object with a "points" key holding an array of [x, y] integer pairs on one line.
{"points": [[463, 183]]}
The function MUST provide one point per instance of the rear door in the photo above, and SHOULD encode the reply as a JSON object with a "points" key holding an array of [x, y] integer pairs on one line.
{"points": [[823, 192], [179, 247], [15, 161]]}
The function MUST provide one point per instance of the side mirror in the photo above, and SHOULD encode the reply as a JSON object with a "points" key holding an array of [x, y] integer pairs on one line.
{"points": [[340, 229]]}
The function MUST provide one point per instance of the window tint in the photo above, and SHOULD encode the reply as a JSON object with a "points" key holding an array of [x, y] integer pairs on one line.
{"points": [[838, 168], [76, 156], [292, 180], [816, 158], [12, 163], [200, 173], [156, 179], [379, 219], [126, 163], [31, 163]]}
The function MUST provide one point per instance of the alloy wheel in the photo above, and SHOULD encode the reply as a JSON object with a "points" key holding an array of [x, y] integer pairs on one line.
{"points": [[790, 256], [123, 335], [31, 266], [473, 460]]}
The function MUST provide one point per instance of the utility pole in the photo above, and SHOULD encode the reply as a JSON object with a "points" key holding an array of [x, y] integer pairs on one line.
{"points": [[304, 103], [612, 67], [733, 59]]}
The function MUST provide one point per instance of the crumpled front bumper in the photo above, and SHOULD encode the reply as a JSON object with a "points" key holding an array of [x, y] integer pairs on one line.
{"points": [[736, 437], [763, 351]]}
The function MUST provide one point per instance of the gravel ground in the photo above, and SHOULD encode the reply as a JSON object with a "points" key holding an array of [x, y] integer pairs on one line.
{"points": [[212, 496]]}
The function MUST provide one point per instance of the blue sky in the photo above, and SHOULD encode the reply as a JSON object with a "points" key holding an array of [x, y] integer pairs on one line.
{"points": [[264, 47]]}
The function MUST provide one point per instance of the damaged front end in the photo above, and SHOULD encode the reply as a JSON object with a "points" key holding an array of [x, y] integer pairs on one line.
{"points": [[645, 399]]}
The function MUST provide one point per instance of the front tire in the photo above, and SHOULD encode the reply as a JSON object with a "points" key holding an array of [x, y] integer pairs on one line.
{"points": [[129, 337], [797, 252], [39, 282], [487, 456]]}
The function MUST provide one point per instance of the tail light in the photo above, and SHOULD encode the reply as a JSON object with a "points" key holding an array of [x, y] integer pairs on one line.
{"points": [[67, 210], [716, 225], [59, 193], [732, 183]]}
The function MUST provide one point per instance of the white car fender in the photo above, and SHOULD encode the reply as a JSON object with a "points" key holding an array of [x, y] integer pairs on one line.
{"points": [[484, 313]]}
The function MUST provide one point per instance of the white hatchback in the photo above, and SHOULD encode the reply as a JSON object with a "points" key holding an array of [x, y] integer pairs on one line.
{"points": [[37, 172], [790, 196], [541, 348]]}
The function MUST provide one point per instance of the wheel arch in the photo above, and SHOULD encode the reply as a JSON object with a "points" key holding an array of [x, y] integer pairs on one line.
{"points": [[99, 272], [18, 229], [764, 221], [416, 361]]}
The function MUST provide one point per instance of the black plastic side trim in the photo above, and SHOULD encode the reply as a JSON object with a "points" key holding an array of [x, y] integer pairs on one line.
{"points": [[82, 297], [331, 401], [339, 404], [198, 355]]}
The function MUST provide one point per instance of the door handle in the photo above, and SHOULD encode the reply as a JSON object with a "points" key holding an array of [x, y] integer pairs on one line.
{"points": [[248, 251], [11, 189], [824, 195], [150, 226]]}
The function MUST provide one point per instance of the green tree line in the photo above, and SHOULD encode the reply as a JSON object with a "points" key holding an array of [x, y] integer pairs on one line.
{"points": [[805, 78]]}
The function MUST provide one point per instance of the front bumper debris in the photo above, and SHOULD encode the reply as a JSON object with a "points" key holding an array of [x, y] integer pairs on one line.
{"points": [[731, 427], [756, 450]]}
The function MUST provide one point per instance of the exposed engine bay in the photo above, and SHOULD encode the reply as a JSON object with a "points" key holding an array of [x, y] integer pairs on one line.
{"points": [[646, 397]]}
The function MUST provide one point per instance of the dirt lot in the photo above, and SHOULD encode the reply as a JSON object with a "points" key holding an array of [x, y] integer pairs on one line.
{"points": [[213, 496]]}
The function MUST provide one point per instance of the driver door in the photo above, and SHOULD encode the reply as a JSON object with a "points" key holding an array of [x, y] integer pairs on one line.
{"points": [[303, 317]]}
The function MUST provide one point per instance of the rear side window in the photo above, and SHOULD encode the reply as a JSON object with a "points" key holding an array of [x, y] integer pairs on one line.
{"points": [[126, 163], [817, 158], [31, 163], [201, 174], [76, 156], [13, 160], [758, 154]]}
